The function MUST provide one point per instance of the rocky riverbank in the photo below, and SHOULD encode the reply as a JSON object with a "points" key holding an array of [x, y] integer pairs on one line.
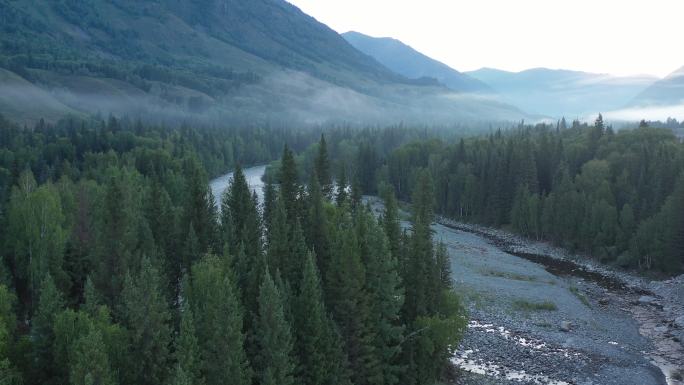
{"points": [[591, 325]]}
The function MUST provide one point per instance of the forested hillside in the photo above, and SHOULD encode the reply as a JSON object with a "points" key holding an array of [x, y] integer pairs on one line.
{"points": [[616, 196], [210, 61], [117, 268]]}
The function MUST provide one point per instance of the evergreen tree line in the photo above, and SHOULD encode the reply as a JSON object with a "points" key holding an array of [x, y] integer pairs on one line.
{"points": [[616, 196], [118, 268]]}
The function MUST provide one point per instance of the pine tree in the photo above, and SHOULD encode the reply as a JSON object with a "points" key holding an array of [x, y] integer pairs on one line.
{"points": [[349, 302], [162, 223], [91, 364], [341, 186], [275, 362], [322, 168], [318, 346], [188, 360], [356, 193], [9, 375], [386, 297], [269, 205], [50, 303], [192, 249], [318, 233], [219, 323], [199, 209], [147, 317], [289, 186], [92, 299], [390, 221], [419, 263], [117, 238], [278, 238]]}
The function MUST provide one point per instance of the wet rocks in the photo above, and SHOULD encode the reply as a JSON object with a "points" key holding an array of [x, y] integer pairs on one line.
{"points": [[679, 322], [566, 326], [647, 300]]}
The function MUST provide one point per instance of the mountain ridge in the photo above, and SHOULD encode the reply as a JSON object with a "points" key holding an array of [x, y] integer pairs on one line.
{"points": [[411, 63], [560, 92]]}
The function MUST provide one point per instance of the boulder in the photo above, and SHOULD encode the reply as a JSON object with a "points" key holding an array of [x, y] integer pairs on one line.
{"points": [[647, 300], [566, 326], [679, 321]]}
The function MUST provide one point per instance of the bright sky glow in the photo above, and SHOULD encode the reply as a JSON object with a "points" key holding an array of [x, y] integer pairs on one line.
{"points": [[619, 37]]}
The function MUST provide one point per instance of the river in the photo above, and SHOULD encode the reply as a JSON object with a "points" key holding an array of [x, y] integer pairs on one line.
{"points": [[254, 180], [612, 338]]}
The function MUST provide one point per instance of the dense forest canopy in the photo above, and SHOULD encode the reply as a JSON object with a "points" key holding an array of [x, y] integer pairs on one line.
{"points": [[616, 196], [117, 268]]}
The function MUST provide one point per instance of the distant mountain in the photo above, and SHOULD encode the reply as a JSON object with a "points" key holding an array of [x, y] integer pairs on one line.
{"points": [[250, 61], [561, 92], [412, 64], [668, 91]]}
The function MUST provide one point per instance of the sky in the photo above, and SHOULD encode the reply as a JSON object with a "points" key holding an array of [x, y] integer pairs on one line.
{"points": [[617, 37]]}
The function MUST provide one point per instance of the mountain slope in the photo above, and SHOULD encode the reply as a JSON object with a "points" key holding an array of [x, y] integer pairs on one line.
{"points": [[252, 62], [410, 63], [561, 92], [668, 91]]}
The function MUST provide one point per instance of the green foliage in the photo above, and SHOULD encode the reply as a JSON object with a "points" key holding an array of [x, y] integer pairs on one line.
{"points": [[188, 363], [583, 187], [322, 168], [219, 319], [90, 364], [50, 303], [146, 316], [128, 214], [275, 362], [318, 346], [36, 233]]}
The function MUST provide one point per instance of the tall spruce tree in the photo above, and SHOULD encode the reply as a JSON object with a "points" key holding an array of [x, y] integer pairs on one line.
{"points": [[199, 209], [419, 264], [349, 302], [91, 363], [318, 233], [275, 365], [50, 303], [289, 184], [319, 349], [187, 354], [322, 168], [147, 317], [219, 323], [386, 297]]}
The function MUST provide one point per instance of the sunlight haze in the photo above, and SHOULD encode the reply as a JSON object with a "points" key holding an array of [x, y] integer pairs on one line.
{"points": [[614, 37]]}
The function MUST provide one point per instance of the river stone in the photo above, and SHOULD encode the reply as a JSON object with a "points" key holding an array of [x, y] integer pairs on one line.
{"points": [[679, 321], [647, 300], [566, 326]]}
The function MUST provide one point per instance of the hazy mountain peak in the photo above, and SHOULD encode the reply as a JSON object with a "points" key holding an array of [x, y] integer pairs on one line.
{"points": [[561, 92], [407, 61]]}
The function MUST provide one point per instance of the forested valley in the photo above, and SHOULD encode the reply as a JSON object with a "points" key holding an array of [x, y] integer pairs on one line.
{"points": [[118, 268], [615, 196]]}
